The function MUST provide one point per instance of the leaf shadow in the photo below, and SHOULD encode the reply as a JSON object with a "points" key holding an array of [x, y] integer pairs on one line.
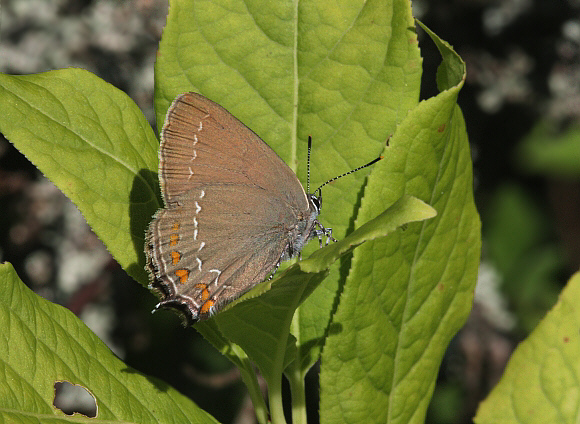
{"points": [[141, 210]]}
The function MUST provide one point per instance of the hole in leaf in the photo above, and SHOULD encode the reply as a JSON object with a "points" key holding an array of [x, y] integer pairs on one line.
{"points": [[73, 398]]}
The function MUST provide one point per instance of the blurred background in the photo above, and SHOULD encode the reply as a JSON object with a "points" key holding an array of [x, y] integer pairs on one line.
{"points": [[521, 103]]}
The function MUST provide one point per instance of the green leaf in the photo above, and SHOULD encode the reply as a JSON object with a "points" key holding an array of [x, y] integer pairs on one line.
{"points": [[407, 294], [93, 142], [549, 151], [44, 343], [387, 28], [235, 353], [261, 324], [344, 73], [541, 381], [521, 247]]}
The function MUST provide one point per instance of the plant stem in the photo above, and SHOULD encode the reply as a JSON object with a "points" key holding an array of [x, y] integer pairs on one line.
{"points": [[296, 380], [250, 380], [275, 397]]}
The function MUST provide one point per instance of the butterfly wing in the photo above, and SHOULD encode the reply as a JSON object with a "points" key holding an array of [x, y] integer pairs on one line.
{"points": [[232, 207]]}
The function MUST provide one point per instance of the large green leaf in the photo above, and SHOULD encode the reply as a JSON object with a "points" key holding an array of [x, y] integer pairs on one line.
{"points": [[43, 343], [345, 72], [541, 383], [407, 294], [261, 324], [93, 142]]}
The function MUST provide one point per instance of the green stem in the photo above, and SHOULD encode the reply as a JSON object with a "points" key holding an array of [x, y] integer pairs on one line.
{"points": [[296, 380], [275, 397], [250, 380]]}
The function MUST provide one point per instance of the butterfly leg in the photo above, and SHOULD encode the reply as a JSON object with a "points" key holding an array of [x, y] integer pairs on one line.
{"points": [[275, 269], [328, 234], [323, 231]]}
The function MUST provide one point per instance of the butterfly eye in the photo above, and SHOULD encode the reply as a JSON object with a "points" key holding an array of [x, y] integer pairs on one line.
{"points": [[316, 201]]}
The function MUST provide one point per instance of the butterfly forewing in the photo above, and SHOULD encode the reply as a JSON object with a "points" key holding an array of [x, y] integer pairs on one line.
{"points": [[203, 143]]}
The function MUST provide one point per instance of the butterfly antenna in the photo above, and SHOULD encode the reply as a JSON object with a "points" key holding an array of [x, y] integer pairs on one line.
{"points": [[308, 165], [346, 173]]}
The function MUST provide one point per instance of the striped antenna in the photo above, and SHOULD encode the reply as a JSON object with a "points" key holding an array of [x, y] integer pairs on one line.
{"points": [[346, 173], [308, 164]]}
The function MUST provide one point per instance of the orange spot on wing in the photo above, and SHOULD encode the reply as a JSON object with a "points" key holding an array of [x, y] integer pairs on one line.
{"points": [[206, 307], [183, 274], [175, 257], [204, 291]]}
